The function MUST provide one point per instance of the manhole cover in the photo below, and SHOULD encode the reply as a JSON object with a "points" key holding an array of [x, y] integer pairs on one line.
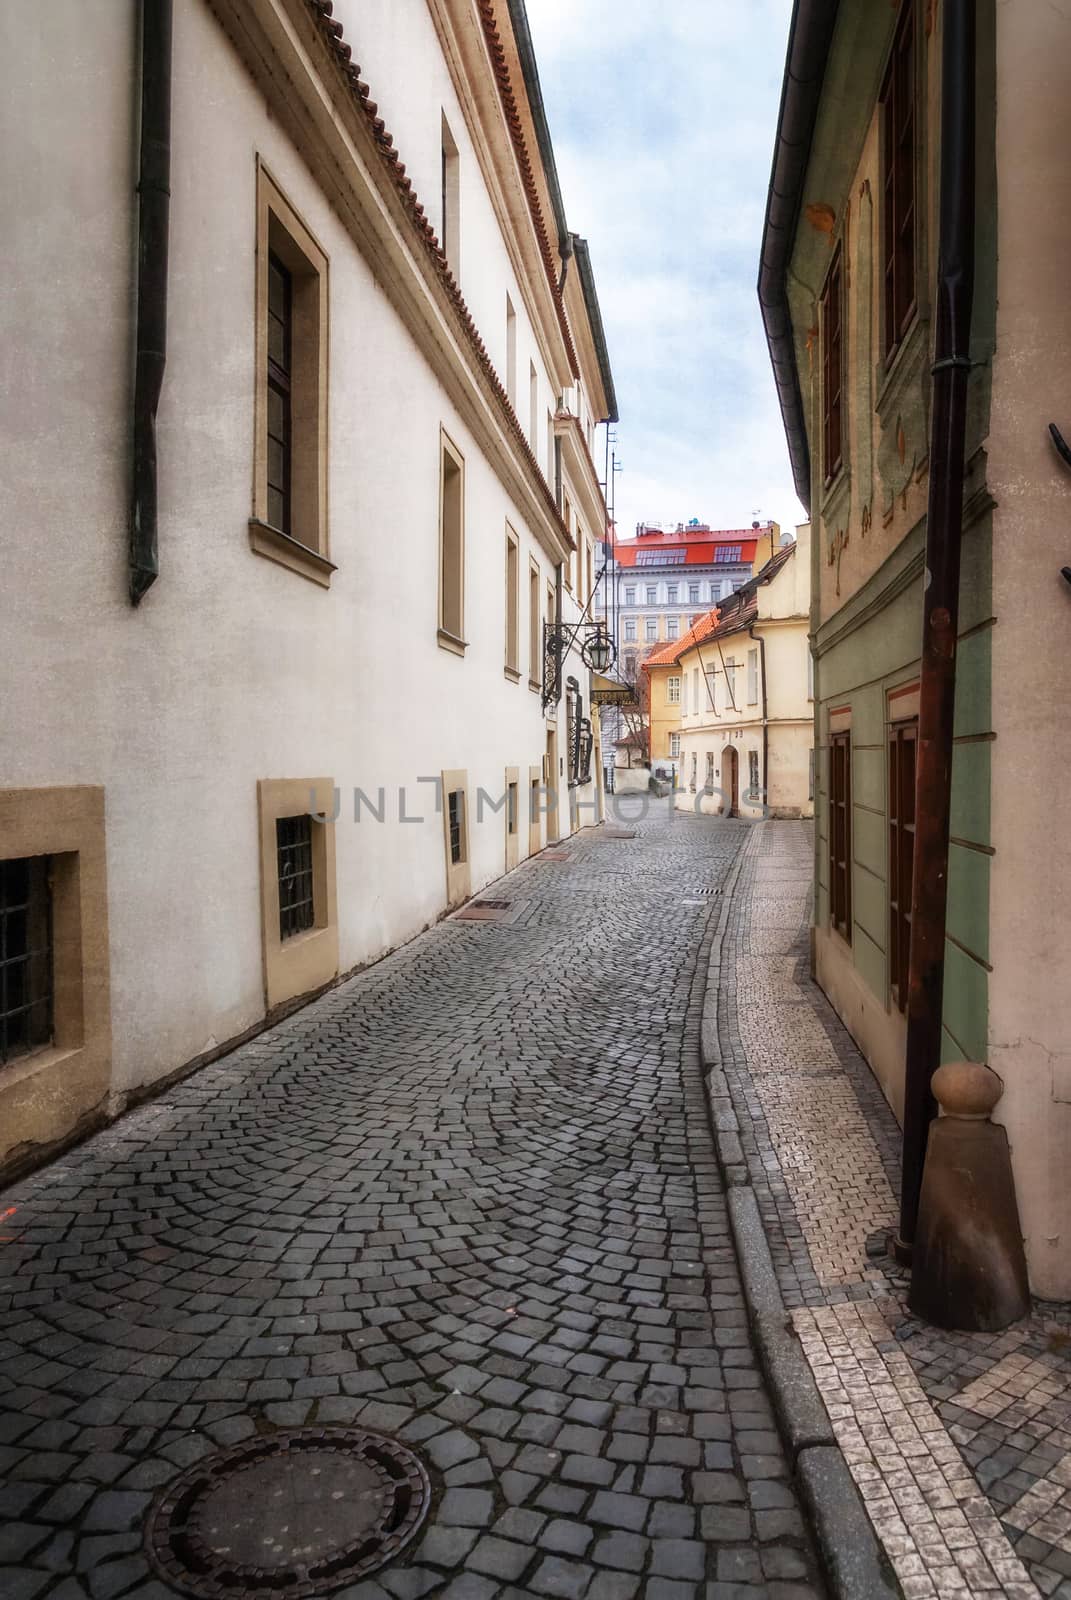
{"points": [[491, 905], [296, 1514]]}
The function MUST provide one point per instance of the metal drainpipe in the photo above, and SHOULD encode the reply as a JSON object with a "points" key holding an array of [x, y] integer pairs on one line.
{"points": [[154, 204], [761, 642], [944, 528]]}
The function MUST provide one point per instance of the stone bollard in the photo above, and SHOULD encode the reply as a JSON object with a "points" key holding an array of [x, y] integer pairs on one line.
{"points": [[968, 1267]]}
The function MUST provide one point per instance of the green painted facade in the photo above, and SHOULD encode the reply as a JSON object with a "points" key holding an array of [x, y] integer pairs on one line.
{"points": [[867, 641]]}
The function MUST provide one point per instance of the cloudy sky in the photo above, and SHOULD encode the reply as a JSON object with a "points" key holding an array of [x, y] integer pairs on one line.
{"points": [[663, 123]]}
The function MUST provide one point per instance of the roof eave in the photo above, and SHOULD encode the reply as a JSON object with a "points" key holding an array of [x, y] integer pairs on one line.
{"points": [[598, 332], [809, 39], [518, 17]]}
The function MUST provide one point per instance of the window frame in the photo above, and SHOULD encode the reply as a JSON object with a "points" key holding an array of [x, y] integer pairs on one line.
{"points": [[840, 832], [49, 1091], [281, 234], [535, 632], [458, 871], [903, 735], [673, 690], [831, 324], [899, 184], [450, 457], [511, 663], [307, 960]]}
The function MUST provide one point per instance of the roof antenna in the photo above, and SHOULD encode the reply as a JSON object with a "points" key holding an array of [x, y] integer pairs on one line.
{"points": [[755, 515]]}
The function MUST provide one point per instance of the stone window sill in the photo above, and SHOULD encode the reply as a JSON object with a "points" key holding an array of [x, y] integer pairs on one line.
{"points": [[450, 641], [289, 552], [512, 673]]}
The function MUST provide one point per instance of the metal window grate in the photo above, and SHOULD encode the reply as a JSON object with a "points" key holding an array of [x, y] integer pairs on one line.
{"points": [[293, 839], [25, 956], [453, 802]]}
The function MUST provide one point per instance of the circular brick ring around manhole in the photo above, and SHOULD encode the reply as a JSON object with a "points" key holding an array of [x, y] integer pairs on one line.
{"points": [[288, 1515]]}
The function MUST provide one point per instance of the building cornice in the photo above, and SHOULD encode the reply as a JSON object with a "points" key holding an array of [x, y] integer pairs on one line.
{"points": [[475, 55], [299, 60], [583, 474]]}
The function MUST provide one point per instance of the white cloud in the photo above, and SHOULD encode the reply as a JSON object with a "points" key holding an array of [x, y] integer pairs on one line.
{"points": [[663, 123]]}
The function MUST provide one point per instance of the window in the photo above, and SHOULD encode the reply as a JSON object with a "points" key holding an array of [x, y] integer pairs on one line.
{"points": [[840, 832], [832, 316], [898, 181], [513, 605], [710, 770], [661, 558], [693, 593], [451, 548], [673, 627], [673, 691], [650, 629], [752, 677], [534, 652], [511, 353], [289, 521], [293, 850], [280, 370], [903, 742], [715, 592], [726, 553], [450, 199], [712, 685], [567, 518], [652, 594], [674, 746], [299, 915], [25, 956], [695, 765], [533, 402], [511, 808], [671, 594], [455, 803], [696, 707], [684, 695], [630, 629], [753, 775], [630, 594], [730, 682], [630, 668]]}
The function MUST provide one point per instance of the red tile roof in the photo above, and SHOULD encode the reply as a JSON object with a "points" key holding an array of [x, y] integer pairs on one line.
{"points": [[698, 544]]}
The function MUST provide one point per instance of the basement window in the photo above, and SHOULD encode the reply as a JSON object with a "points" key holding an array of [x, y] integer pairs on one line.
{"points": [[25, 956], [293, 844]]}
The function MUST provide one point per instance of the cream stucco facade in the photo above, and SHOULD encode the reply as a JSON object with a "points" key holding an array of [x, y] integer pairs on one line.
{"points": [[746, 714], [238, 684]]}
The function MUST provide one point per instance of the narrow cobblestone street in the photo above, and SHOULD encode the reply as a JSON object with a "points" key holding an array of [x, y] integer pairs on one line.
{"points": [[445, 1204]]}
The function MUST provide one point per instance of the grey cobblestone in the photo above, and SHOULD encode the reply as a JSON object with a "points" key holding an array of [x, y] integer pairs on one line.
{"points": [[469, 1197]]}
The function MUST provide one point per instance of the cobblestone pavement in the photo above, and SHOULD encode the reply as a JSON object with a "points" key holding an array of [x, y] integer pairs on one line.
{"points": [[960, 1443], [469, 1198]]}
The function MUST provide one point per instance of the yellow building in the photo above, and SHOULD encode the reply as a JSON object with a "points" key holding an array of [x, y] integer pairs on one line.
{"points": [[662, 691], [745, 711]]}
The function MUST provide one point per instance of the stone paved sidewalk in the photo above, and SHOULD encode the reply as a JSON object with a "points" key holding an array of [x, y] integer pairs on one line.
{"points": [[469, 1198], [959, 1443]]}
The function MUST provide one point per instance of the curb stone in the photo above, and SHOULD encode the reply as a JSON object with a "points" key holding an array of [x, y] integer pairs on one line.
{"points": [[855, 1564]]}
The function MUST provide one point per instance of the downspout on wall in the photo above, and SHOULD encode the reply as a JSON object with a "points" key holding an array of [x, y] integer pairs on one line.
{"points": [[944, 529], [154, 207], [761, 642]]}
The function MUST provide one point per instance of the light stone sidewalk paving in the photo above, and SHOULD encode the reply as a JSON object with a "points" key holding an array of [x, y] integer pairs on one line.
{"points": [[960, 1444]]}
